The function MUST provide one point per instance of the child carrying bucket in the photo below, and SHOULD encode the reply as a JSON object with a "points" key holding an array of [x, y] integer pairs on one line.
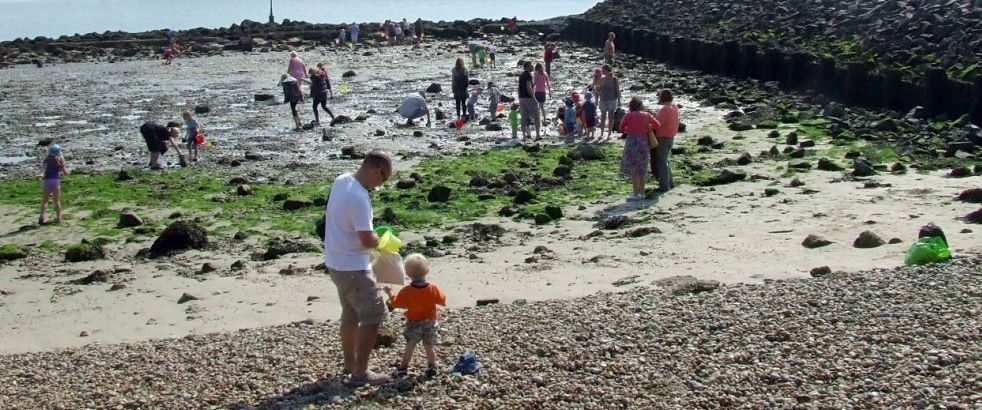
{"points": [[419, 299]]}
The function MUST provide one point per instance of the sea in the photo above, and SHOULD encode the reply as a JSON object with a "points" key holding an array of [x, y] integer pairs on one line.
{"points": [[53, 18]]}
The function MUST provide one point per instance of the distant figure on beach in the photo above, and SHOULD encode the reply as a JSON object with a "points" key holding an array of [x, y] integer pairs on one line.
{"points": [[292, 95], [494, 98], [348, 242], [634, 162], [171, 35], [472, 104], [414, 106], [609, 99], [513, 120], [52, 169], [589, 115], [668, 117], [492, 50], [541, 87], [296, 68], [549, 56], [513, 25], [610, 51], [354, 30], [158, 137], [459, 82], [192, 129], [473, 48], [342, 36], [419, 29], [319, 87], [419, 299], [526, 101]]}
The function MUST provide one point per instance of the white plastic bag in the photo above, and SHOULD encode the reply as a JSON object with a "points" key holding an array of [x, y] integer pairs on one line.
{"points": [[388, 268]]}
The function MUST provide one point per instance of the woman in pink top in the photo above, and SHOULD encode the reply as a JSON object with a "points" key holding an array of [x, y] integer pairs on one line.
{"points": [[668, 117], [540, 84], [297, 69], [634, 163]]}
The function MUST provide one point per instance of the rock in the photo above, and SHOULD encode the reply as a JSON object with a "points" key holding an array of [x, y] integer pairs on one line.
{"points": [[417, 133], [561, 171], [125, 174], [379, 133], [960, 172], [129, 220], [820, 271], [894, 241], [485, 302], [687, 285], [202, 109], [294, 204], [406, 184], [507, 211], [98, 276], [541, 219], [795, 183], [523, 196], [740, 126], [253, 156], [83, 334], [614, 222], [771, 191], [554, 212], [972, 195], [798, 153], [117, 286], [44, 142], [813, 241], [282, 246], [439, 193], [494, 126], [867, 239], [862, 168], [238, 265], [806, 144], [387, 336], [826, 164], [341, 119], [917, 112], [282, 196], [263, 97], [243, 190], [642, 231], [744, 159], [207, 267], [348, 74], [478, 181], [974, 217], [434, 88], [11, 252], [725, 177], [705, 141], [586, 152], [86, 251], [439, 115], [791, 139], [540, 249], [179, 236], [186, 297], [886, 124], [898, 168]]}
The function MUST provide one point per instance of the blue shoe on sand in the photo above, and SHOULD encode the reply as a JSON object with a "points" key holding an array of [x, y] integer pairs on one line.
{"points": [[467, 363]]}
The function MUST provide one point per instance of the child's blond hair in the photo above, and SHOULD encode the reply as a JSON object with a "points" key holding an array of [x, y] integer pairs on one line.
{"points": [[187, 115], [417, 266]]}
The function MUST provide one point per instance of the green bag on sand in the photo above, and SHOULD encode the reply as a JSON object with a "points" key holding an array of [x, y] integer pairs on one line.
{"points": [[928, 249]]}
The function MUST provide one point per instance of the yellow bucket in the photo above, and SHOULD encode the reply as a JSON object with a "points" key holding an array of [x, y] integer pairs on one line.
{"points": [[389, 243]]}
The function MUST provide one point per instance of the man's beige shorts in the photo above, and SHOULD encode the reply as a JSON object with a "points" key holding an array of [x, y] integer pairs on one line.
{"points": [[361, 299]]}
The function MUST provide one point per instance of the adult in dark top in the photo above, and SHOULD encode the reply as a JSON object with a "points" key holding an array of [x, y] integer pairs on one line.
{"points": [[318, 93], [292, 95], [157, 137], [526, 101], [459, 86]]}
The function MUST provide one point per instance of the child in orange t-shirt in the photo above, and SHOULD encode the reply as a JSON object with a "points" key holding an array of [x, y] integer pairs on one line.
{"points": [[419, 299]]}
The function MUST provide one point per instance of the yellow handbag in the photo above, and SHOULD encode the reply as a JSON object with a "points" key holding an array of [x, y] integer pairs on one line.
{"points": [[652, 139]]}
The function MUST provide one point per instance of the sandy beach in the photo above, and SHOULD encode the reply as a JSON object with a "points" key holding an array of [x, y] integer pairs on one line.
{"points": [[729, 233]]}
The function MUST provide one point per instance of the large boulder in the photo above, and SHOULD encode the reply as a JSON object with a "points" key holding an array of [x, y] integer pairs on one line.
{"points": [[179, 236]]}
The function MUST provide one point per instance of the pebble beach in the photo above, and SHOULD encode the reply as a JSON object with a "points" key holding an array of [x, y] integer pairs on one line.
{"points": [[899, 338]]}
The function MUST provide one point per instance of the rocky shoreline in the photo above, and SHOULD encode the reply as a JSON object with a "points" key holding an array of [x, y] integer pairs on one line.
{"points": [[905, 337], [247, 36]]}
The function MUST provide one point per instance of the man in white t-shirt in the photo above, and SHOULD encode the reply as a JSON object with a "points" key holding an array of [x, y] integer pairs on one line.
{"points": [[348, 243]]}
